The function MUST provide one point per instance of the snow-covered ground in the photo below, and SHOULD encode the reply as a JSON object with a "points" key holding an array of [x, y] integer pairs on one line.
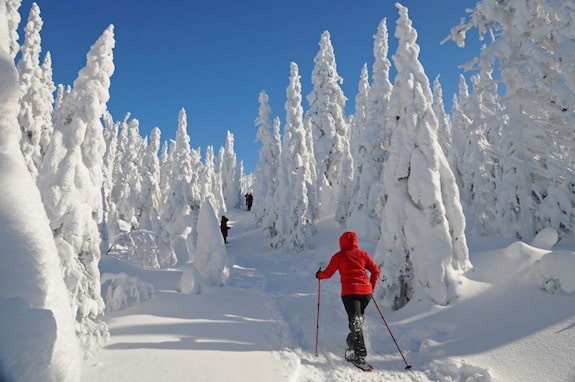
{"points": [[262, 325]]}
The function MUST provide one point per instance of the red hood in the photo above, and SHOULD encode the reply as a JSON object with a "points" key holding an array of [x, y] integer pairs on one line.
{"points": [[348, 241]]}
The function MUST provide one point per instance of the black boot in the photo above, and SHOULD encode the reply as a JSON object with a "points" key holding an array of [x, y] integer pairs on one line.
{"points": [[356, 337]]}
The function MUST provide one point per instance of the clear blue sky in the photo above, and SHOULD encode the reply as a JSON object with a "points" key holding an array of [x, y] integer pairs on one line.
{"points": [[212, 57]]}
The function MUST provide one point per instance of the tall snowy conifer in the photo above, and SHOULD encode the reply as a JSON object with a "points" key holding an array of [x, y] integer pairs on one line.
{"points": [[295, 219], [460, 123], [211, 183], [11, 18], [372, 143], [329, 127], [444, 130], [481, 158], [177, 222], [71, 179], [358, 120], [37, 322], [230, 174], [266, 177], [35, 117], [165, 174], [128, 174], [109, 228], [151, 194], [422, 243]]}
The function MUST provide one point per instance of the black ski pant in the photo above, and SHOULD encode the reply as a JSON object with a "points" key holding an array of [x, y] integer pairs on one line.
{"points": [[355, 305]]}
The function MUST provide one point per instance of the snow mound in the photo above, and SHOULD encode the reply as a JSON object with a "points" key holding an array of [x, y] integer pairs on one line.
{"points": [[190, 282], [453, 370], [498, 266], [121, 291], [545, 239], [137, 247], [554, 272]]}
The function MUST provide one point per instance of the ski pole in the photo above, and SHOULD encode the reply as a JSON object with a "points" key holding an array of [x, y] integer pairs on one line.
{"points": [[407, 366], [317, 320]]}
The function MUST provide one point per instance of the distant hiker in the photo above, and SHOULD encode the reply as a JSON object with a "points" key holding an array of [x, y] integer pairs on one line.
{"points": [[224, 228], [356, 288], [249, 200]]}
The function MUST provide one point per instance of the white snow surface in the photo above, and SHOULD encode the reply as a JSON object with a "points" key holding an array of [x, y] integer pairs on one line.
{"points": [[514, 321]]}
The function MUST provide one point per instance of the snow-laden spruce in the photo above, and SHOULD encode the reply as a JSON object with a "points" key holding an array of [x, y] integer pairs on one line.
{"points": [[296, 189], [177, 216], [150, 197], [37, 337], [370, 143], [422, 245], [328, 124], [211, 183], [109, 227], [230, 174], [482, 150], [266, 176], [70, 180], [35, 117]]}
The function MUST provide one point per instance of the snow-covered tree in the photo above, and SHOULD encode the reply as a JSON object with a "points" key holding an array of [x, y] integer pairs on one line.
{"points": [[460, 125], [32, 291], [358, 120], [128, 174], [109, 228], [480, 160], [266, 176], [528, 51], [35, 117], [345, 191], [165, 173], [372, 143], [230, 174], [71, 178], [151, 195], [358, 123], [295, 218], [211, 258], [422, 243], [329, 127], [211, 183], [11, 20], [177, 220], [444, 130]]}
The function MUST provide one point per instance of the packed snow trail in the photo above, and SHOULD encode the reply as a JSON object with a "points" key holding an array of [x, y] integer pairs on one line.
{"points": [[260, 327]]}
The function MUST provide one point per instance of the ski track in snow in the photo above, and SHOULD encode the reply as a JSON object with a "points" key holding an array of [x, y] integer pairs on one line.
{"points": [[293, 304]]}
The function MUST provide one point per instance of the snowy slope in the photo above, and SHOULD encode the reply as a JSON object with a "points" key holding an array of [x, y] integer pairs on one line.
{"points": [[262, 326]]}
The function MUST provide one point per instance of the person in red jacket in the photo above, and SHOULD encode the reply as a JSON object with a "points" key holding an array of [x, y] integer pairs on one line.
{"points": [[356, 287]]}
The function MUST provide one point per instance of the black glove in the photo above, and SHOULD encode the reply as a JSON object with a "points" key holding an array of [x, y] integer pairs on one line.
{"points": [[317, 273]]}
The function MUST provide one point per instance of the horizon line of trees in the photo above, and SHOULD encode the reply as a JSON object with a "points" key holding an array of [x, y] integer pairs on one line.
{"points": [[400, 171]]}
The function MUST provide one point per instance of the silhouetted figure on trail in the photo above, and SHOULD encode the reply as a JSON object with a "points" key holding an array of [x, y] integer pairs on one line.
{"points": [[249, 200], [224, 228]]}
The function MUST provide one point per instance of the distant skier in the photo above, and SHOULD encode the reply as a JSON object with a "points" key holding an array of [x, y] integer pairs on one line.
{"points": [[249, 200], [356, 288], [224, 228]]}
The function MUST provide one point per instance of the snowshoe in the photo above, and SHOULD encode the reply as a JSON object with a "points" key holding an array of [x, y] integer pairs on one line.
{"points": [[358, 361]]}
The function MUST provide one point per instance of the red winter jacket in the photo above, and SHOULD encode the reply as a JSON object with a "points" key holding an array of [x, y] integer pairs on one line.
{"points": [[352, 263]]}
